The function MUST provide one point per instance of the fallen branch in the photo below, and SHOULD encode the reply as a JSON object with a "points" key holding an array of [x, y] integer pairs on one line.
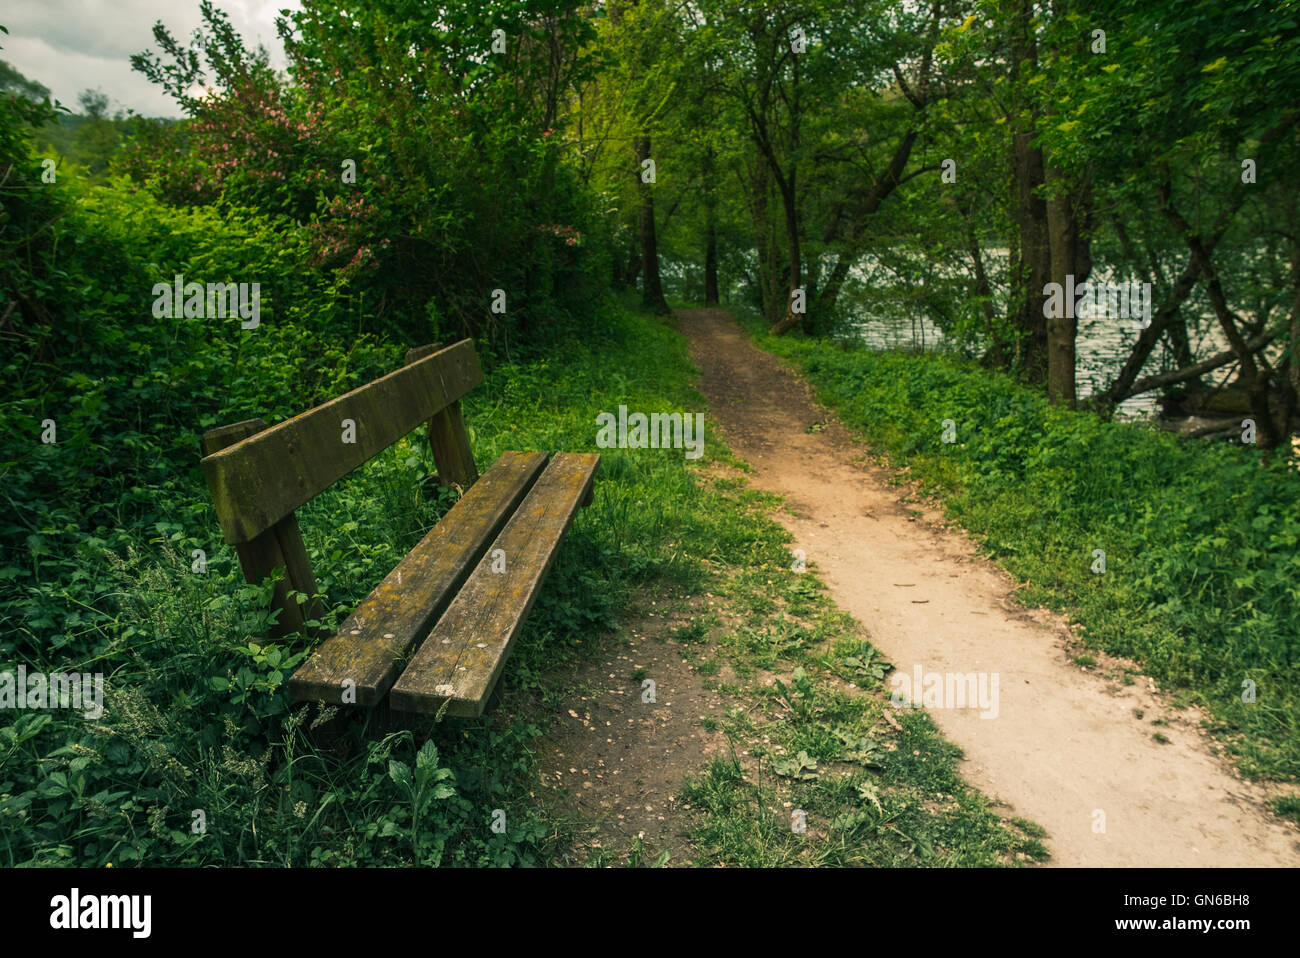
{"points": [[1147, 383], [1217, 428]]}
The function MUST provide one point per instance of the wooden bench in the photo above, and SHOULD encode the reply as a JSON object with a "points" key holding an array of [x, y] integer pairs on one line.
{"points": [[460, 597]]}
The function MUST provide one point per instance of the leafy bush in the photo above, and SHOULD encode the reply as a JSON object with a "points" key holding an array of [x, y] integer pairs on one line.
{"points": [[423, 173]]}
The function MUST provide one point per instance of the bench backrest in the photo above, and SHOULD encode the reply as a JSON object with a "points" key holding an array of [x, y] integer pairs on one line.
{"points": [[258, 476]]}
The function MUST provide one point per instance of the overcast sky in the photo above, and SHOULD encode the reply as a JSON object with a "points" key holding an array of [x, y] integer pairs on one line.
{"points": [[72, 45]]}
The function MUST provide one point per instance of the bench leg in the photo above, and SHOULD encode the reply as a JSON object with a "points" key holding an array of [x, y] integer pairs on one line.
{"points": [[280, 547], [450, 444]]}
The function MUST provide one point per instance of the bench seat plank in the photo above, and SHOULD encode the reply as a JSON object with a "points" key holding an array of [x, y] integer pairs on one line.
{"points": [[371, 645], [462, 657]]}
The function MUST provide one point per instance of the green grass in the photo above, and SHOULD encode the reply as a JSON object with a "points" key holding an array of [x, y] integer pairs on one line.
{"points": [[197, 719], [1202, 576], [1288, 806], [200, 759], [816, 774]]}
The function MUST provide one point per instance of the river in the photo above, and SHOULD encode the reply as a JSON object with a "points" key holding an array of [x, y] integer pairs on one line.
{"points": [[884, 313], [1103, 345]]}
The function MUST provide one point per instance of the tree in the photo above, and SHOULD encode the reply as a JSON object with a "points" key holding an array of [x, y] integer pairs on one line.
{"points": [[1198, 100], [11, 81], [94, 104]]}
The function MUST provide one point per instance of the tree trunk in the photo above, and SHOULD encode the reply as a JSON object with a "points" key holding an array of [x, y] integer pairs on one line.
{"points": [[1195, 370], [982, 285], [710, 265], [710, 233], [652, 293], [1288, 371], [829, 294], [880, 190], [633, 262], [1255, 381], [1030, 211], [765, 242], [1294, 357], [1150, 272], [625, 262], [790, 318], [1070, 255], [1121, 388]]}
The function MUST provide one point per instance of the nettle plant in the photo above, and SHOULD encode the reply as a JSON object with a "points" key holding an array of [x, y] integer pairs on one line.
{"points": [[426, 784]]}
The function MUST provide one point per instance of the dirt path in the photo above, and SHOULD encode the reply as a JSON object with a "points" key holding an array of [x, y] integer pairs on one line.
{"points": [[1069, 748], [613, 763]]}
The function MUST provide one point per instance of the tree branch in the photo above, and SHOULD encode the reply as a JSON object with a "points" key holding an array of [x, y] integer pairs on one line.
{"points": [[1148, 383]]}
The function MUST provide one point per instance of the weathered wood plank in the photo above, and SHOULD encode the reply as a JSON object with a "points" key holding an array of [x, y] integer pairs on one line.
{"points": [[419, 352], [297, 567], [371, 645], [280, 547], [448, 438], [214, 440], [451, 451], [462, 657], [258, 481], [261, 556]]}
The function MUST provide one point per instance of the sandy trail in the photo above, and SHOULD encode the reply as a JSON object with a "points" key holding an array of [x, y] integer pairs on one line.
{"points": [[1066, 749]]}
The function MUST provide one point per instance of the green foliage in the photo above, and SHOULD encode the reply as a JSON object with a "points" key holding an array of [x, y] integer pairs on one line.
{"points": [[12, 81], [98, 577], [96, 569], [425, 174]]}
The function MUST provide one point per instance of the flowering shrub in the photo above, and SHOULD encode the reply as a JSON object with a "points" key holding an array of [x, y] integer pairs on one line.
{"points": [[424, 177], [569, 234]]}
